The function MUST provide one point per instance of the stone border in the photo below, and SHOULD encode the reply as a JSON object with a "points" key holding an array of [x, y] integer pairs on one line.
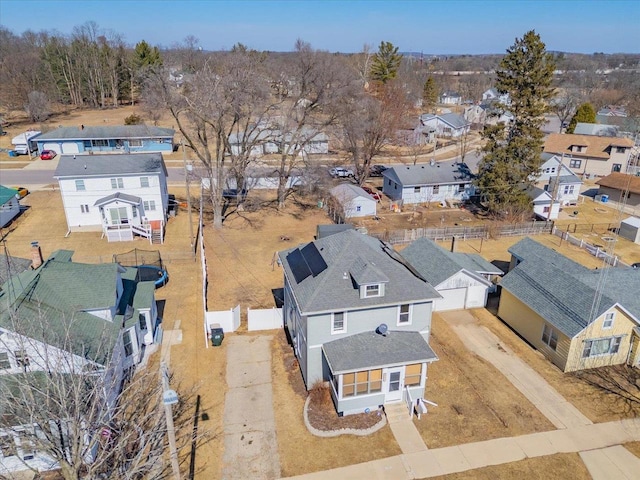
{"points": [[341, 431]]}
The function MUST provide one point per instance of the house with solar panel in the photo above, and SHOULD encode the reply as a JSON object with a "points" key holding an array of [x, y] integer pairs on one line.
{"points": [[576, 317], [120, 195], [86, 139], [359, 318], [61, 317]]}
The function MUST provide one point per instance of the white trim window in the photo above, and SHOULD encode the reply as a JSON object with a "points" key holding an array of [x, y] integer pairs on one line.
{"points": [[135, 142], [117, 183], [5, 363], [22, 359], [149, 205], [80, 186], [601, 347], [404, 314], [550, 337], [338, 322], [84, 208], [144, 182], [607, 323], [374, 290], [568, 190]]}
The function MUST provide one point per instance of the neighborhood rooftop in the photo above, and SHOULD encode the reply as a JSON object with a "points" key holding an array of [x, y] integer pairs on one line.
{"points": [[621, 181], [85, 132], [596, 146], [85, 166], [430, 174]]}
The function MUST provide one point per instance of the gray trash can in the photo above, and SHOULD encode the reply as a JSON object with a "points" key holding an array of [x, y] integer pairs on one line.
{"points": [[217, 335]]}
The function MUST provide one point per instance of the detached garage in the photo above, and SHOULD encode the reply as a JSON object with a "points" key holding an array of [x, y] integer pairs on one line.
{"points": [[354, 201], [630, 229], [464, 280]]}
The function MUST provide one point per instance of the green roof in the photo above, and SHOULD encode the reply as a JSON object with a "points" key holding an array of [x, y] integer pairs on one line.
{"points": [[7, 194]]}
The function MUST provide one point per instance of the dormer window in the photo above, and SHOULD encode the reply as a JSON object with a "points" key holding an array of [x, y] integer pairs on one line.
{"points": [[578, 148], [621, 149], [372, 290]]}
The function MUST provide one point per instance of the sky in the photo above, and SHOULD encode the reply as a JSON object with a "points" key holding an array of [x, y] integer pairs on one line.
{"points": [[429, 26]]}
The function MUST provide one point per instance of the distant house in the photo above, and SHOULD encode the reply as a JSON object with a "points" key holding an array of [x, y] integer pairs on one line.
{"points": [[9, 205], [107, 139], [354, 201], [24, 143], [600, 130], [267, 141], [312, 141], [359, 318], [450, 98], [425, 183], [621, 187], [549, 300], [568, 188], [463, 279], [549, 168], [544, 206], [263, 142], [120, 195], [590, 155], [492, 95], [448, 125], [612, 111], [475, 115]]}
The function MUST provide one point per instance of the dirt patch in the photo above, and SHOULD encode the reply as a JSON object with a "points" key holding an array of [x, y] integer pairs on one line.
{"points": [[475, 401], [551, 467], [633, 447]]}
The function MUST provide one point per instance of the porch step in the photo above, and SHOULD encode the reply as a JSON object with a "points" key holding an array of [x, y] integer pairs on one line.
{"points": [[396, 412], [156, 236]]}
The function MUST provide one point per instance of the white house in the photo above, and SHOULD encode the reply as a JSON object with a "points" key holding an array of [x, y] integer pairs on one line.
{"points": [[426, 183], [354, 200], [261, 142], [567, 190], [24, 143], [463, 280], [492, 95], [542, 203], [449, 125], [9, 205], [120, 195], [450, 98]]}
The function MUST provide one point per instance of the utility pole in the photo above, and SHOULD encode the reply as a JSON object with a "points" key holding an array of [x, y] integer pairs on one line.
{"points": [[169, 397], [187, 179], [556, 185]]}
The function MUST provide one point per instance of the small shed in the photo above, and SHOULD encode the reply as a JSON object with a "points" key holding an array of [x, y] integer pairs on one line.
{"points": [[9, 205], [355, 202], [630, 229]]}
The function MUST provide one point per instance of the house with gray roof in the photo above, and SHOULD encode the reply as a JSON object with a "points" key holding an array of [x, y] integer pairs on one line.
{"points": [[601, 130], [359, 318], [448, 125], [67, 318], [544, 205], [464, 280], [353, 201], [425, 183], [85, 139], [576, 317], [120, 195]]}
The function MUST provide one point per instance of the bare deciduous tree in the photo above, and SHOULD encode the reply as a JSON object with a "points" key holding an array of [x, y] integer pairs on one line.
{"points": [[38, 107]]}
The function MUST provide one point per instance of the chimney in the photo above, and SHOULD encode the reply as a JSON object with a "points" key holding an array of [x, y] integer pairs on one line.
{"points": [[36, 255]]}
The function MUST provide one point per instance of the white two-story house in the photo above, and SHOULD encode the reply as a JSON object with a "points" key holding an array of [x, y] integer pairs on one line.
{"points": [[359, 317], [120, 195]]}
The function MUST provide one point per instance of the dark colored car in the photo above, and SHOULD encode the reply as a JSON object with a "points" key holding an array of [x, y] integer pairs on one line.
{"points": [[635, 265], [376, 170], [376, 196], [47, 155]]}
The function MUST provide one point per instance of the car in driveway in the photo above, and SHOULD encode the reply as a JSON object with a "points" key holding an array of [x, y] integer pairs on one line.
{"points": [[340, 172], [23, 192], [376, 170], [375, 195], [47, 155]]}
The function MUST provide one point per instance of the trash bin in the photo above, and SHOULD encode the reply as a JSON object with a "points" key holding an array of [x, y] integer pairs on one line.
{"points": [[604, 198], [217, 335], [12, 153]]}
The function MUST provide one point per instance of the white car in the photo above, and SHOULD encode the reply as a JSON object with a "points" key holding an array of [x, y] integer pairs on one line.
{"points": [[339, 172]]}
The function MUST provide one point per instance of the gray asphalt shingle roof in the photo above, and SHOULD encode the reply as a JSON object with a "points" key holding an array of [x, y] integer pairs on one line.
{"points": [[346, 192], [120, 164], [441, 173], [436, 264], [369, 350], [335, 289], [108, 132], [118, 196], [562, 291]]}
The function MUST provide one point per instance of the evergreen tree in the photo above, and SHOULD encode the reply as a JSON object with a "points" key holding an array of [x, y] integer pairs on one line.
{"points": [[512, 153], [585, 114], [429, 93], [145, 56], [385, 63]]}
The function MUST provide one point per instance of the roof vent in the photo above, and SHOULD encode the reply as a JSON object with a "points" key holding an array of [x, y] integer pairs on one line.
{"points": [[432, 162], [345, 276], [382, 329]]}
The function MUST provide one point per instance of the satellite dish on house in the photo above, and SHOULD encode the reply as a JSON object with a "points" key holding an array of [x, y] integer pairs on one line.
{"points": [[382, 329]]}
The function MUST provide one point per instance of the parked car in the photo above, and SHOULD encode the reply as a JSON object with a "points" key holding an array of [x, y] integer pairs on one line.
{"points": [[376, 170], [340, 172], [23, 192], [635, 265], [47, 155], [375, 195]]}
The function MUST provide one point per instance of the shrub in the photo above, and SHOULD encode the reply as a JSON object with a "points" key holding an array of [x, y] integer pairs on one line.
{"points": [[133, 119]]}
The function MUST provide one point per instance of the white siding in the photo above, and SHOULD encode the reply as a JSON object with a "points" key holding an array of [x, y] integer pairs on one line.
{"points": [[8, 211]]}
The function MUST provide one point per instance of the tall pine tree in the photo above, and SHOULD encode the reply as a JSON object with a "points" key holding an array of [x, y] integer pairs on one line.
{"points": [[512, 152], [585, 114], [429, 94], [385, 63]]}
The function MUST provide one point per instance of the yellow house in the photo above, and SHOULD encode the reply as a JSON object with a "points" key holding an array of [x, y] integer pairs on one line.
{"points": [[577, 317]]}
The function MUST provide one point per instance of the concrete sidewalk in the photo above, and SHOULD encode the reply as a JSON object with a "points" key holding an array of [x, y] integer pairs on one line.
{"points": [[459, 458], [531, 384]]}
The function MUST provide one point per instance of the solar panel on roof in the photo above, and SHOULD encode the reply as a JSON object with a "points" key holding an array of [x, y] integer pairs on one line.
{"points": [[298, 265], [314, 259]]}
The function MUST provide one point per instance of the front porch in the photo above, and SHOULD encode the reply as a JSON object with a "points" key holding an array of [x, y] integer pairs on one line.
{"points": [[124, 232], [123, 217]]}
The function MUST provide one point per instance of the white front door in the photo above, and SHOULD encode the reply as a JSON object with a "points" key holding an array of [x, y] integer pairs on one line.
{"points": [[394, 382]]}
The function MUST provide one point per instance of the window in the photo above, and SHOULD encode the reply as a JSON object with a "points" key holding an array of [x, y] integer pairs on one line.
{"points": [[568, 189], [361, 383], [117, 183], [134, 211], [550, 170], [404, 314], [119, 216], [545, 209], [358, 208], [620, 149], [142, 319], [389, 182], [338, 324], [149, 205], [84, 208], [416, 189], [436, 189], [22, 359], [578, 148], [4, 361], [602, 346], [100, 143], [617, 167], [80, 186], [372, 290], [126, 340], [413, 374], [144, 182], [575, 163], [135, 142], [550, 337], [608, 320]]}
